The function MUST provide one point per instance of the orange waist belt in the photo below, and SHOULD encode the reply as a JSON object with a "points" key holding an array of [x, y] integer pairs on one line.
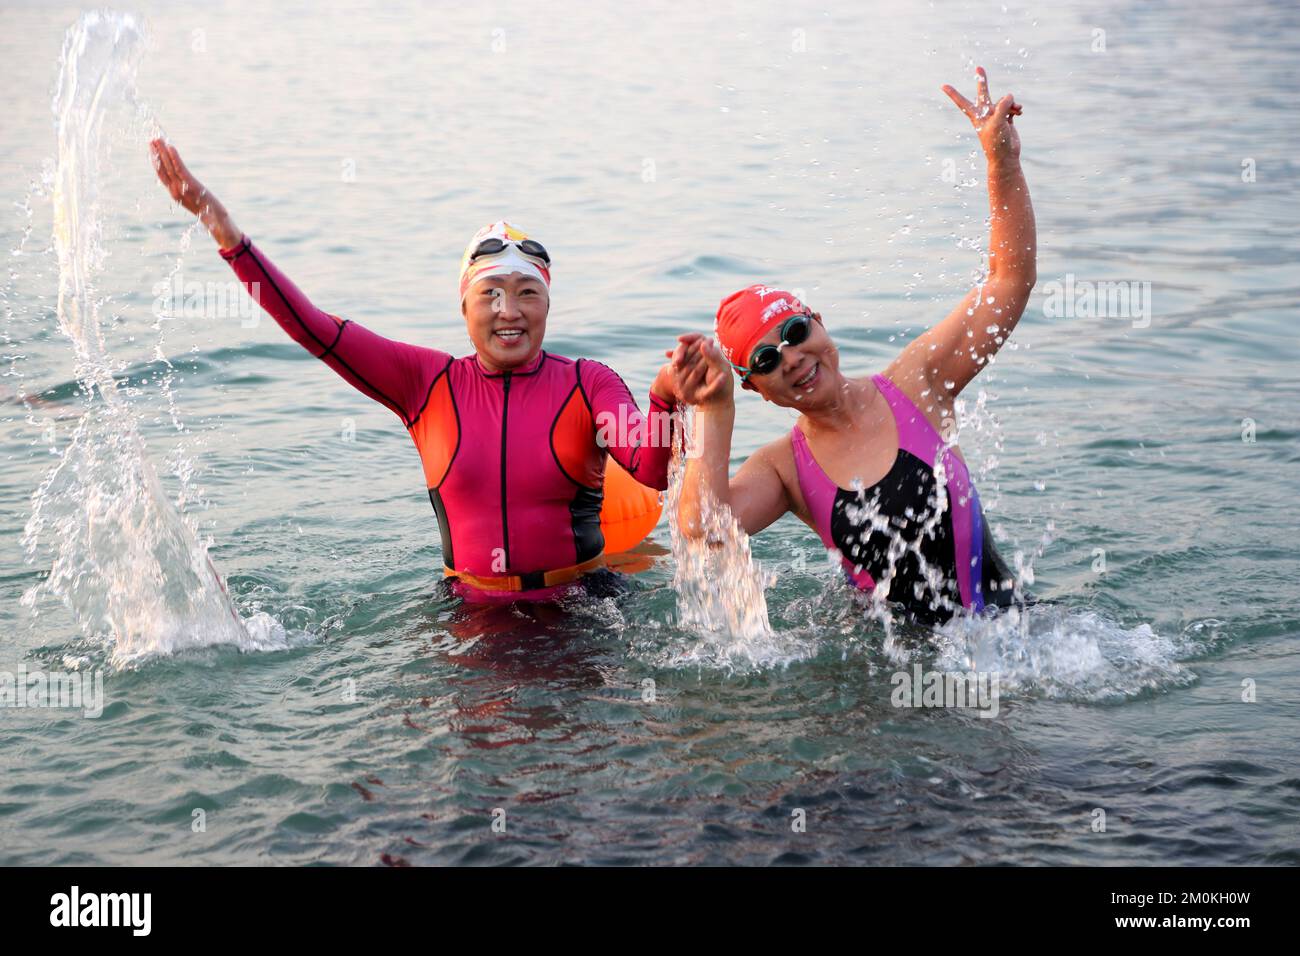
{"points": [[532, 581]]}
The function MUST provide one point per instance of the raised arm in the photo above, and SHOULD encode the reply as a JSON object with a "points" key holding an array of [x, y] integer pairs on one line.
{"points": [[757, 495], [393, 373], [944, 359]]}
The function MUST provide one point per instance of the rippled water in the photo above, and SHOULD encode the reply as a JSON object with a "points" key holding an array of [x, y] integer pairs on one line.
{"points": [[665, 166]]}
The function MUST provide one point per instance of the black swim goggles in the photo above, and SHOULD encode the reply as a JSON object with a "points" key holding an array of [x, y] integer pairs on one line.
{"points": [[766, 358], [529, 247]]}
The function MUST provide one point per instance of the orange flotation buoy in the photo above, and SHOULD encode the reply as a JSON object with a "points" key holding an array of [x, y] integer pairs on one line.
{"points": [[630, 512]]}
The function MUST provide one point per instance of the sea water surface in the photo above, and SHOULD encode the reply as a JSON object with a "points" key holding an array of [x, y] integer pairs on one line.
{"points": [[1139, 466]]}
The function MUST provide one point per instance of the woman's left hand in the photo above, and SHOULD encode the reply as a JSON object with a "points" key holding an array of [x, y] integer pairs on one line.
{"points": [[992, 121], [665, 385]]}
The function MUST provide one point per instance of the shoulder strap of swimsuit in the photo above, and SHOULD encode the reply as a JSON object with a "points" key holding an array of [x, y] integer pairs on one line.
{"points": [[816, 486], [915, 433]]}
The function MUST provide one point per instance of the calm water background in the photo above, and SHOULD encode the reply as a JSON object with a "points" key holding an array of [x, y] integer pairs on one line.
{"points": [[667, 160]]}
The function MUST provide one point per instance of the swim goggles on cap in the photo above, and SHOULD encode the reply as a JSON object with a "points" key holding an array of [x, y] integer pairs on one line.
{"points": [[494, 245], [766, 358]]}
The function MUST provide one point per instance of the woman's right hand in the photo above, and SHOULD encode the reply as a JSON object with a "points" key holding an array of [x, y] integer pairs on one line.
{"points": [[702, 374], [191, 194]]}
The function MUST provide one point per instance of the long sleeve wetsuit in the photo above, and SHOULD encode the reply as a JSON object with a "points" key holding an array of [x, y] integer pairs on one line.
{"points": [[514, 461]]}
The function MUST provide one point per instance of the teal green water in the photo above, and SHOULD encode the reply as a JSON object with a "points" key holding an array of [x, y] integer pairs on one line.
{"points": [[665, 165]]}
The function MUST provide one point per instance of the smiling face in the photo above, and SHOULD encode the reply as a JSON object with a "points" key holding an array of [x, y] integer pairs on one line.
{"points": [[809, 372], [506, 319]]}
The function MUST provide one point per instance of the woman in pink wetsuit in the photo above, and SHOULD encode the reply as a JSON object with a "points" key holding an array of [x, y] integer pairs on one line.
{"points": [[512, 438]]}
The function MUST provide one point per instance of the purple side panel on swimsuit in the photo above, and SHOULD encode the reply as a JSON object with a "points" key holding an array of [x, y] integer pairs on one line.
{"points": [[977, 550], [961, 498], [858, 577], [819, 494]]}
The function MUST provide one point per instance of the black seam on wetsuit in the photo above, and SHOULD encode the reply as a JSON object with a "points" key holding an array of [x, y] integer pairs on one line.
{"points": [[283, 298], [459, 431], [541, 362], [636, 451], [586, 399], [240, 250], [342, 322], [444, 527], [381, 397], [505, 418], [584, 506], [540, 365], [550, 438], [446, 370], [577, 373], [584, 523]]}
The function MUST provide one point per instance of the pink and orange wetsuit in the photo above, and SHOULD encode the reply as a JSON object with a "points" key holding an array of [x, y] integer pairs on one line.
{"points": [[511, 459]]}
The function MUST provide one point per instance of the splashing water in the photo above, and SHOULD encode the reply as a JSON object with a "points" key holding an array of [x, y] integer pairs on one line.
{"points": [[720, 587], [125, 562], [1041, 650], [1071, 654]]}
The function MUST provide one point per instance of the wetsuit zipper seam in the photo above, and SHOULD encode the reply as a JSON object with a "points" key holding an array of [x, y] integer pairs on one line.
{"points": [[505, 417]]}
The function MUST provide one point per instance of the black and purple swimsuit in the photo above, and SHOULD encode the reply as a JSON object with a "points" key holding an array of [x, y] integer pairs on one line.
{"points": [[933, 551]]}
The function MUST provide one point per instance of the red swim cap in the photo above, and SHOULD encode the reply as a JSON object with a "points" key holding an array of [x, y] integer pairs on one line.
{"points": [[746, 316]]}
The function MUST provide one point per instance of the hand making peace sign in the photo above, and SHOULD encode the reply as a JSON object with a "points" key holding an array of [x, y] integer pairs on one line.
{"points": [[993, 122]]}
